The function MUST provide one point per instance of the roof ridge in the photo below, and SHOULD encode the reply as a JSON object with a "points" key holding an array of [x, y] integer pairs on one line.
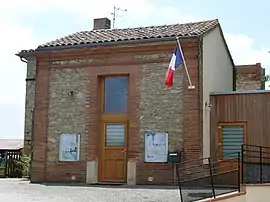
{"points": [[153, 26]]}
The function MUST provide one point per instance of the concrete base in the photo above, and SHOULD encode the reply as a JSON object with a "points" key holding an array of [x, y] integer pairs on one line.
{"points": [[131, 173], [92, 172]]}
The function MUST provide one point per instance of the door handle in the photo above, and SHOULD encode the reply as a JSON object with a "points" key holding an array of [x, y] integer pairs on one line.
{"points": [[124, 150]]}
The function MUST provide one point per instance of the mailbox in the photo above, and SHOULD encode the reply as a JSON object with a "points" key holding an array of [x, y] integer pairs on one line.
{"points": [[174, 157]]}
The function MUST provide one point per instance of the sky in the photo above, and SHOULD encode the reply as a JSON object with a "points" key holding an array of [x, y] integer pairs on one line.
{"points": [[29, 23]]}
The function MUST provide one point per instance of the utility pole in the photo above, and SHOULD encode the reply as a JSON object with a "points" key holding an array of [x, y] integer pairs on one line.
{"points": [[114, 13]]}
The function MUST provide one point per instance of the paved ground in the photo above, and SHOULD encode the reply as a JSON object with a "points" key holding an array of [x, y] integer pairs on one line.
{"points": [[12, 190]]}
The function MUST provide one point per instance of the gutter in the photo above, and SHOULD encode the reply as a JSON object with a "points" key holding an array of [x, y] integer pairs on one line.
{"points": [[106, 43], [21, 58]]}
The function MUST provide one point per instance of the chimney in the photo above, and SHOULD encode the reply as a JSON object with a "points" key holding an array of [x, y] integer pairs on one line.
{"points": [[102, 23]]}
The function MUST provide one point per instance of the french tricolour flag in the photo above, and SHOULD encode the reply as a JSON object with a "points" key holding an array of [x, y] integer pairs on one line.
{"points": [[176, 61]]}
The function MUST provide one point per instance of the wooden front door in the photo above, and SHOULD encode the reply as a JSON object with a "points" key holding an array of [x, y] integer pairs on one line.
{"points": [[114, 130], [231, 137], [114, 152]]}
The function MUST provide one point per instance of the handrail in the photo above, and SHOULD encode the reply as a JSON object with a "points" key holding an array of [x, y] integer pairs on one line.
{"points": [[200, 171], [251, 145], [195, 169]]}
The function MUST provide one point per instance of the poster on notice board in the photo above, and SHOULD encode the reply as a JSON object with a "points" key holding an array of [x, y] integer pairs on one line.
{"points": [[69, 147], [156, 147]]}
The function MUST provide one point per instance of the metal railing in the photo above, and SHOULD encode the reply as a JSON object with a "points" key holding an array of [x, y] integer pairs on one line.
{"points": [[255, 164], [208, 177]]}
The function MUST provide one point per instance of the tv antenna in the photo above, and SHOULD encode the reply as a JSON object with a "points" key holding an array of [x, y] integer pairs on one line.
{"points": [[114, 13]]}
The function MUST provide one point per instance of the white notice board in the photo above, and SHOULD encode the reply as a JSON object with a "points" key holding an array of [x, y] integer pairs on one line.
{"points": [[156, 147], [69, 147]]}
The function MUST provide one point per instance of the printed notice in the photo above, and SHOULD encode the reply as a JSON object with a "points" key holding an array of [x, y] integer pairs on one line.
{"points": [[156, 147], [69, 147]]}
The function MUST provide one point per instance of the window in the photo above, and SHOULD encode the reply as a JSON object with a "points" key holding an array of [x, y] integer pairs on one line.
{"points": [[232, 140], [115, 95], [115, 135]]}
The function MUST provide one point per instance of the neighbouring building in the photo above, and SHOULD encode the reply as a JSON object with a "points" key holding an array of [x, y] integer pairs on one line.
{"points": [[107, 86], [249, 77], [10, 151]]}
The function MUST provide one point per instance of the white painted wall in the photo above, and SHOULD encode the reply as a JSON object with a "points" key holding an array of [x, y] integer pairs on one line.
{"points": [[217, 77]]}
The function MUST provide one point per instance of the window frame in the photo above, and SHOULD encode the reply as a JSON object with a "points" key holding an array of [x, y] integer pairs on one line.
{"points": [[124, 135], [220, 135], [102, 102]]}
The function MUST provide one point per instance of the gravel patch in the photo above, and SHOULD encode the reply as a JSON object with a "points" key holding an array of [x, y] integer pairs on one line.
{"points": [[21, 190]]}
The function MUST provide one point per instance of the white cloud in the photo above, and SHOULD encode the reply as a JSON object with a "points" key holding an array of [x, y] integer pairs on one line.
{"points": [[83, 8], [243, 51], [12, 78], [15, 37]]}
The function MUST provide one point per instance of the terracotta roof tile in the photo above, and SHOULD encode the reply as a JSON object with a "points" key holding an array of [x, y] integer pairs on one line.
{"points": [[129, 34]]}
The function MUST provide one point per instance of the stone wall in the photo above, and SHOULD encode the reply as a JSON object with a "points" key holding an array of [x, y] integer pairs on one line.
{"points": [[67, 113], [249, 77], [175, 110], [161, 109], [29, 104]]}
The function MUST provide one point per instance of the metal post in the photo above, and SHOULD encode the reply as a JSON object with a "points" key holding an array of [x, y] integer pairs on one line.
{"points": [[242, 164], [179, 183], [211, 177], [6, 164], [261, 180], [239, 174]]}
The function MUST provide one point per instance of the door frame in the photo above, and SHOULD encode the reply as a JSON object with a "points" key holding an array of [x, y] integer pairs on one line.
{"points": [[111, 118], [220, 153], [219, 143]]}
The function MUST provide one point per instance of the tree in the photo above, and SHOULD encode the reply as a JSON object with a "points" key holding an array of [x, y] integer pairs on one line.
{"points": [[266, 78]]}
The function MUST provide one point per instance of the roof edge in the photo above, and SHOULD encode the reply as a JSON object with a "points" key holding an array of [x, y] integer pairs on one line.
{"points": [[257, 65], [31, 52], [226, 45], [218, 25], [240, 92]]}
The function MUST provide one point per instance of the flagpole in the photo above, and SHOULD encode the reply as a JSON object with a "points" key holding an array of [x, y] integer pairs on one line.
{"points": [[184, 61]]}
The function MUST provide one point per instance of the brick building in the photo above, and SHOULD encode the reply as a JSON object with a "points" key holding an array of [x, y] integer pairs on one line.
{"points": [[92, 82], [249, 77]]}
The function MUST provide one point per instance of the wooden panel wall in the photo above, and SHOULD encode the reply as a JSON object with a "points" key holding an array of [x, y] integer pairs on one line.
{"points": [[251, 108]]}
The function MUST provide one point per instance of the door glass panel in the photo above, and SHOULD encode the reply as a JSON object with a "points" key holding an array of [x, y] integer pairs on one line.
{"points": [[232, 139], [116, 89], [115, 135]]}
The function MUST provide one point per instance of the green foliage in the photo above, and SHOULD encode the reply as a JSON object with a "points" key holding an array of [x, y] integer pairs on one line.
{"points": [[23, 165], [2, 165], [266, 78]]}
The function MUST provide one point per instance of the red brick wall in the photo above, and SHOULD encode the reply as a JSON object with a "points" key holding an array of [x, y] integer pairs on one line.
{"points": [[45, 168], [249, 77], [192, 121], [40, 126]]}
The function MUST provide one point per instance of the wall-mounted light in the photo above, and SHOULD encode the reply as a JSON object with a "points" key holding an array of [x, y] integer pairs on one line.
{"points": [[208, 104]]}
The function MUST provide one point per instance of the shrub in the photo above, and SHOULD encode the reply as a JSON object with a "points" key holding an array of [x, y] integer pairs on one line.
{"points": [[23, 165]]}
